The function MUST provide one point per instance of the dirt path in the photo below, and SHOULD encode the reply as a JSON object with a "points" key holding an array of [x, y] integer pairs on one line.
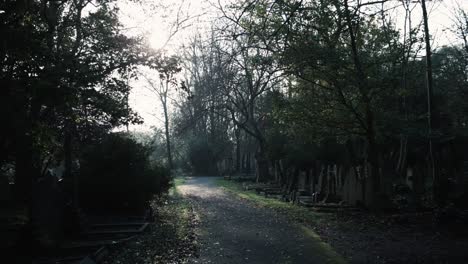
{"points": [[236, 231]]}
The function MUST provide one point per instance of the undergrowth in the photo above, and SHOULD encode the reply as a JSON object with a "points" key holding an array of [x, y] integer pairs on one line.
{"points": [[170, 239]]}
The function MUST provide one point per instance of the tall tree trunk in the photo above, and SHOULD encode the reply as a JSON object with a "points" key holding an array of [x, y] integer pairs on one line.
{"points": [[263, 173], [373, 159], [24, 149], [238, 151], [363, 88], [24, 168], [314, 172], [27, 167], [439, 185], [282, 172], [293, 182], [168, 141], [70, 178]]}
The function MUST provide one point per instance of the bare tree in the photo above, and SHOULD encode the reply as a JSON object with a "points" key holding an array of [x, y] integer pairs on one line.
{"points": [[250, 71], [167, 68]]}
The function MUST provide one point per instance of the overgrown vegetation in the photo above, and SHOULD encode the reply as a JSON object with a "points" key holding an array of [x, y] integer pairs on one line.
{"points": [[171, 239], [118, 175], [339, 101], [332, 98], [65, 70]]}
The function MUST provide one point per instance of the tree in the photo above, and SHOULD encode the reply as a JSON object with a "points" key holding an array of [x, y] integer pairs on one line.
{"points": [[252, 71], [344, 63], [461, 25], [167, 68], [61, 74], [327, 81], [201, 123]]}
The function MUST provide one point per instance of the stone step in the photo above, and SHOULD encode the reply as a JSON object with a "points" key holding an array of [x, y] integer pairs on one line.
{"points": [[116, 229]]}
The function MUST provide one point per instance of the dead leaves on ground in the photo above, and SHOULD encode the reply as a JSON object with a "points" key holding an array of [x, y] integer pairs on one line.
{"points": [[171, 239]]}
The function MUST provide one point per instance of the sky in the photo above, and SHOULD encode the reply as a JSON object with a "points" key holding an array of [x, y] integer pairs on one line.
{"points": [[156, 20]]}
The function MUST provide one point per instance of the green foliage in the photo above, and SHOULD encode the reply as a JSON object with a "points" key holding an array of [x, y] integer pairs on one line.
{"points": [[451, 89], [116, 175], [63, 71]]}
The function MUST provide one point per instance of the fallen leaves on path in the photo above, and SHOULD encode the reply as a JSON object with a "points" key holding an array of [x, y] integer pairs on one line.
{"points": [[170, 239]]}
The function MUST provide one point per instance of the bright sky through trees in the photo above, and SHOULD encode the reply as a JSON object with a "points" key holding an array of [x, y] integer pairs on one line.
{"points": [[168, 24]]}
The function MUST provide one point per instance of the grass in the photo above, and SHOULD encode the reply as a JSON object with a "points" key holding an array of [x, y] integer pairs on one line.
{"points": [[181, 207], [182, 216], [175, 184], [302, 215], [298, 213], [179, 181], [320, 246], [170, 239]]}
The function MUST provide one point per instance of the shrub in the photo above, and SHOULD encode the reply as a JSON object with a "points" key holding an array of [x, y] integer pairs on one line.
{"points": [[117, 176]]}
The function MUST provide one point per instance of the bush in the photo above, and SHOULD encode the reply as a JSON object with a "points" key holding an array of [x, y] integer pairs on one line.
{"points": [[116, 176]]}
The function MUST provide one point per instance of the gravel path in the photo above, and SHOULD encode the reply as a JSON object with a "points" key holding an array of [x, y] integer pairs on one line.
{"points": [[233, 230]]}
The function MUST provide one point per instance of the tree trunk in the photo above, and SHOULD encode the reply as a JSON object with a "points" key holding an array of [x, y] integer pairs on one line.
{"points": [[439, 190], [263, 173], [26, 165], [238, 151], [168, 141], [24, 169], [314, 174], [71, 178], [368, 114], [373, 159], [282, 172], [293, 181]]}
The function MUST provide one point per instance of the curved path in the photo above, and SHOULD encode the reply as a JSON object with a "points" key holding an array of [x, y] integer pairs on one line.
{"points": [[233, 230]]}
